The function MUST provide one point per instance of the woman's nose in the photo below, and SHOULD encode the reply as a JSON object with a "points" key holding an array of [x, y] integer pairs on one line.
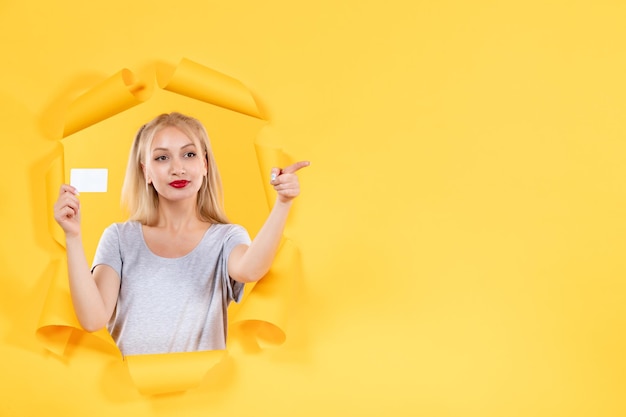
{"points": [[178, 167]]}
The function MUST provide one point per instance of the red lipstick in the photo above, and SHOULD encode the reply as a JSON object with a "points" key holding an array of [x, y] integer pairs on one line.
{"points": [[179, 183]]}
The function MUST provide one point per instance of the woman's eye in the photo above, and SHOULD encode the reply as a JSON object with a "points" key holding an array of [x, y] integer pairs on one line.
{"points": [[190, 154], [160, 158]]}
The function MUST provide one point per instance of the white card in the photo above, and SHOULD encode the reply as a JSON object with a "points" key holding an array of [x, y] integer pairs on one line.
{"points": [[91, 180]]}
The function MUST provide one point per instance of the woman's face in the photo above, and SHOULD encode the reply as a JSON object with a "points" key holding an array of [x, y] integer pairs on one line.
{"points": [[175, 165]]}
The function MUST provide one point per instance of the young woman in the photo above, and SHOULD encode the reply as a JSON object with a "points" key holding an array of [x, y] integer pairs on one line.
{"points": [[162, 280]]}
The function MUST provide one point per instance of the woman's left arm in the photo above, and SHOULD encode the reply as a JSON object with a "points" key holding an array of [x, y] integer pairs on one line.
{"points": [[251, 263]]}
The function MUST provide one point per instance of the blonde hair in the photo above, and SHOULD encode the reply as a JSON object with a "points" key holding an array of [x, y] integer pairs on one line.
{"points": [[142, 200]]}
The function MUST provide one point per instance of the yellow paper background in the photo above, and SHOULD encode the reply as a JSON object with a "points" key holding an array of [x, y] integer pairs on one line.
{"points": [[461, 229]]}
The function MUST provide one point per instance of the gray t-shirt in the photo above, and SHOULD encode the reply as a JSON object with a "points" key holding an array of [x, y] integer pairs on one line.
{"points": [[170, 304]]}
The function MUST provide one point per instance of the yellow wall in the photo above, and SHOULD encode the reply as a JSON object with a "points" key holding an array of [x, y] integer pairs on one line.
{"points": [[461, 227]]}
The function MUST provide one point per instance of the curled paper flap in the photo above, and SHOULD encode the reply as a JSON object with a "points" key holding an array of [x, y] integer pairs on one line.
{"points": [[171, 372], [262, 319], [263, 313], [58, 321], [55, 325], [197, 81], [54, 179], [114, 95]]}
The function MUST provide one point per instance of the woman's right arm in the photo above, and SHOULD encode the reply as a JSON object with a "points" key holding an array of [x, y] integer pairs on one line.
{"points": [[94, 295]]}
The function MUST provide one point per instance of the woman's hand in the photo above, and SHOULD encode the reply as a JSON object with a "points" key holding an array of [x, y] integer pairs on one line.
{"points": [[285, 181], [67, 211]]}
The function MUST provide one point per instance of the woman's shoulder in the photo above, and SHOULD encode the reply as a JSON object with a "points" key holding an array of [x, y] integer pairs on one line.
{"points": [[120, 236], [126, 228], [229, 231], [226, 227]]}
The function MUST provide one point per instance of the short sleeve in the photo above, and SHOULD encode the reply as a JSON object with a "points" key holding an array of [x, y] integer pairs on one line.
{"points": [[237, 235], [108, 251]]}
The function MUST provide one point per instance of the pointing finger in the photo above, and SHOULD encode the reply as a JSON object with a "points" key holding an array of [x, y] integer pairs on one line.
{"points": [[295, 167]]}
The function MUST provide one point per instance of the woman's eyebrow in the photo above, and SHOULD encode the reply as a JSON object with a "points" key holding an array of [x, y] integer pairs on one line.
{"points": [[167, 149]]}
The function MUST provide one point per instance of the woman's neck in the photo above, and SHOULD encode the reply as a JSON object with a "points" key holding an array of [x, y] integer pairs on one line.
{"points": [[178, 216]]}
